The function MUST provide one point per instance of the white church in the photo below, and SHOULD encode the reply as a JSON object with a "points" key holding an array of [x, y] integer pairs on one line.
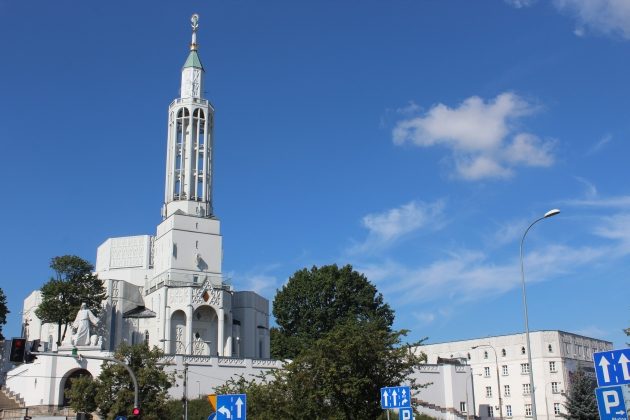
{"points": [[166, 290]]}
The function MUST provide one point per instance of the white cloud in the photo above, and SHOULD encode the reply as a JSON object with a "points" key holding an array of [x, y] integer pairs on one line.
{"points": [[480, 134], [609, 17], [600, 144], [520, 3], [590, 188], [389, 226], [617, 202]]}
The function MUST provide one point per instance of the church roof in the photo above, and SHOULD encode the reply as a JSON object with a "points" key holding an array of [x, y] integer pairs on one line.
{"points": [[193, 60], [139, 312]]}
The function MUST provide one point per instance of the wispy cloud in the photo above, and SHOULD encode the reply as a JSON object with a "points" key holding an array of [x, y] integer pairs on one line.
{"points": [[387, 227], [482, 136], [600, 144], [259, 279], [520, 3], [615, 202], [608, 17], [590, 188]]}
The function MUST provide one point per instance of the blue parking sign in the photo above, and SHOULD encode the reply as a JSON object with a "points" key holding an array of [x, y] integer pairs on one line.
{"points": [[405, 413], [611, 403]]}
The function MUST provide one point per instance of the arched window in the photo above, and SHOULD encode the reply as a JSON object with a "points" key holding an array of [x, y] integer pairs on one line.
{"points": [[146, 337], [522, 350], [503, 353], [468, 356], [485, 354], [550, 348]]}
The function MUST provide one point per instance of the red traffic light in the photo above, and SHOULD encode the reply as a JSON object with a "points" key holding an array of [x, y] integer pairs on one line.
{"points": [[135, 411]]}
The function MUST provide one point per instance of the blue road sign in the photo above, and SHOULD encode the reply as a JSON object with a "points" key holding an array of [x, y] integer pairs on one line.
{"points": [[212, 416], [121, 418], [232, 407], [395, 397], [611, 403], [405, 413], [612, 367]]}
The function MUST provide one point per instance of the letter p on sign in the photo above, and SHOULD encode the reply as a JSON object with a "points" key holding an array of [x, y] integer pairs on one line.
{"points": [[405, 413], [611, 399]]}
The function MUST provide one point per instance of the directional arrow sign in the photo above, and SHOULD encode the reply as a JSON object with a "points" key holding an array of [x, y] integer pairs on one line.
{"points": [[232, 407], [612, 367], [395, 397]]}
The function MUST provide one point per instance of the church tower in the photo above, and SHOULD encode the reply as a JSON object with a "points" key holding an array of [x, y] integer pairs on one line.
{"points": [[188, 188]]}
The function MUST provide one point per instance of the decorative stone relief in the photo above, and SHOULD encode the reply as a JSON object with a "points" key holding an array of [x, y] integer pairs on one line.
{"points": [[127, 252], [177, 296], [179, 339], [115, 288], [207, 294]]}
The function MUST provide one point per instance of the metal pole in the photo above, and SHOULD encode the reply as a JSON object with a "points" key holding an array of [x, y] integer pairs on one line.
{"points": [[529, 347], [496, 364], [185, 391], [109, 359]]}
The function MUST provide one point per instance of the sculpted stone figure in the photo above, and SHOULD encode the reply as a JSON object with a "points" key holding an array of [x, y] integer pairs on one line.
{"points": [[82, 325]]}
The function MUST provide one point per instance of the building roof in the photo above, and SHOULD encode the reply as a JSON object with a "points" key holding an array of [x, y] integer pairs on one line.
{"points": [[193, 60], [139, 312]]}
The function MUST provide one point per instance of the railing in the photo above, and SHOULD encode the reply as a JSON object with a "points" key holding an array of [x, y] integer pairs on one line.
{"points": [[175, 279]]}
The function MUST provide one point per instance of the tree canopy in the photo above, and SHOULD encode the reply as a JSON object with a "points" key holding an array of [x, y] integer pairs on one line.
{"points": [[112, 393], [581, 403], [315, 301], [4, 310], [335, 328], [63, 294]]}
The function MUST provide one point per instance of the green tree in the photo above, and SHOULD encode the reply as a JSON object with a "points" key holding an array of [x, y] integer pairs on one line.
{"points": [[112, 393], [4, 310], [581, 402], [62, 296], [339, 377], [315, 301], [81, 394]]}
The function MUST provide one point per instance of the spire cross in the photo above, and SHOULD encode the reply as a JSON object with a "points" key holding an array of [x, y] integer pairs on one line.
{"points": [[194, 22]]}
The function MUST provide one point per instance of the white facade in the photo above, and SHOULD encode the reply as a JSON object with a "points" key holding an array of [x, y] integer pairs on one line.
{"points": [[555, 356], [449, 392], [167, 290]]}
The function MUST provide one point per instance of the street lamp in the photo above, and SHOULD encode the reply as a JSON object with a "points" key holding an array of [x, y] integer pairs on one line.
{"points": [[496, 364], [550, 213], [185, 390], [472, 385]]}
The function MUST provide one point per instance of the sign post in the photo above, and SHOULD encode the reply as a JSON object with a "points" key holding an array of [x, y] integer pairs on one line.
{"points": [[612, 369]]}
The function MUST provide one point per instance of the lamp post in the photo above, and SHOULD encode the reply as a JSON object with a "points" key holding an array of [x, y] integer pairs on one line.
{"points": [[472, 385], [550, 213], [185, 390], [496, 364]]}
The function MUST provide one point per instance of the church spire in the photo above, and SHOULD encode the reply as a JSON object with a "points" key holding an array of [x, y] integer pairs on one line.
{"points": [[189, 156]]}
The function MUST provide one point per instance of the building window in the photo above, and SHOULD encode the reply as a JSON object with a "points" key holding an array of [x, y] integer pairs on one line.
{"points": [[528, 410], [567, 348], [524, 368], [485, 354], [503, 353], [527, 389], [490, 412], [146, 337], [462, 406], [506, 390], [488, 391], [468, 356], [508, 410], [550, 348], [486, 372], [554, 387], [556, 409], [522, 350], [552, 367], [504, 369]]}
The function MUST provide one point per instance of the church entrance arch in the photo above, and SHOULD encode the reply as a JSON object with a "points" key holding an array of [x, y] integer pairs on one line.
{"points": [[205, 331], [66, 383], [178, 341]]}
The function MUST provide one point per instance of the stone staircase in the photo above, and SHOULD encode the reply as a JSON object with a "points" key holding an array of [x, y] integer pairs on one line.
{"points": [[9, 401], [436, 409]]}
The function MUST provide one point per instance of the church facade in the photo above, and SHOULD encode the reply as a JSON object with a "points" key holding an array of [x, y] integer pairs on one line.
{"points": [[167, 289]]}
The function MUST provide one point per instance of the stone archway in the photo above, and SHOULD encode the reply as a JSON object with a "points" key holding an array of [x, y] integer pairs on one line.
{"points": [[66, 383], [178, 340], [205, 328]]}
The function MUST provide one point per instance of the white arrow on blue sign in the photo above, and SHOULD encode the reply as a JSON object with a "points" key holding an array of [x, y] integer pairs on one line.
{"points": [[611, 403], [232, 407], [612, 367], [395, 397]]}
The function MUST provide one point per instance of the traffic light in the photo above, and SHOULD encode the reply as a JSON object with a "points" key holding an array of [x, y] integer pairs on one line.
{"points": [[29, 357], [18, 347], [135, 411]]}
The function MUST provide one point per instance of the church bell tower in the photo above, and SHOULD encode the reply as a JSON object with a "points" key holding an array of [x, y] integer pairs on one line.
{"points": [[188, 188]]}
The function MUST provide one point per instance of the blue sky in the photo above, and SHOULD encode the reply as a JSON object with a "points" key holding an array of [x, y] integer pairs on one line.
{"points": [[415, 140]]}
